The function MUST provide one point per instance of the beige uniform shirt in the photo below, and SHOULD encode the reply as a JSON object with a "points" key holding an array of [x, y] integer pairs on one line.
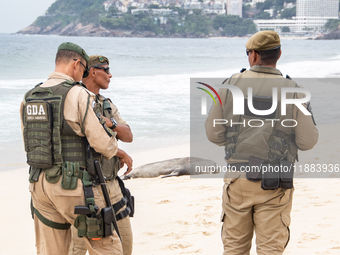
{"points": [[306, 133], [114, 111], [74, 112]]}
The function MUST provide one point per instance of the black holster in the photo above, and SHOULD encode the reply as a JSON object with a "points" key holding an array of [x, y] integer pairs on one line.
{"points": [[107, 214], [127, 194]]}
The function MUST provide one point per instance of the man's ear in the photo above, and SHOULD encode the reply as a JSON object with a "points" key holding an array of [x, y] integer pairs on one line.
{"points": [[75, 64], [92, 72], [279, 55], [256, 58]]}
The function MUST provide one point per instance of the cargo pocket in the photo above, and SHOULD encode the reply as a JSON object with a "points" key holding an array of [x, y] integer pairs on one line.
{"points": [[284, 236], [233, 193]]}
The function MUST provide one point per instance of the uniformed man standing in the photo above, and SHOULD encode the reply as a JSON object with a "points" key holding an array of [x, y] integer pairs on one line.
{"points": [[59, 125], [99, 78], [259, 200]]}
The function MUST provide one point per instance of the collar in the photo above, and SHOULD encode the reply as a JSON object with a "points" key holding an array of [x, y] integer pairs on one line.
{"points": [[265, 69], [62, 76]]}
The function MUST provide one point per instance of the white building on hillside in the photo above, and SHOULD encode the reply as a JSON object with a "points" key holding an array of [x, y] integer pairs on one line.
{"points": [[276, 25], [234, 7]]}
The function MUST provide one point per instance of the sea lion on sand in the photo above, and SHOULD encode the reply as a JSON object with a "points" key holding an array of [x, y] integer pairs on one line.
{"points": [[174, 167]]}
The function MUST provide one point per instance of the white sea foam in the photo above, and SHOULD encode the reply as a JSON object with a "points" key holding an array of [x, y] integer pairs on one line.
{"points": [[151, 87]]}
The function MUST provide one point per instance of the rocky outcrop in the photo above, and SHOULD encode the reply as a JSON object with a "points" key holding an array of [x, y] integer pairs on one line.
{"points": [[91, 30], [334, 35]]}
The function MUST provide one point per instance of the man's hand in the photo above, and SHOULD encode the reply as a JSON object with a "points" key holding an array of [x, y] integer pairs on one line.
{"points": [[108, 122], [124, 158], [123, 131]]}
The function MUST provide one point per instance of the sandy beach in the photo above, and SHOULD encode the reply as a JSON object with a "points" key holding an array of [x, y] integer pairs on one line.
{"points": [[181, 215]]}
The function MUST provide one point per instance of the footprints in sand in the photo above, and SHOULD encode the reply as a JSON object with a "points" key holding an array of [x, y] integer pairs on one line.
{"points": [[178, 246], [307, 237], [164, 201], [324, 225]]}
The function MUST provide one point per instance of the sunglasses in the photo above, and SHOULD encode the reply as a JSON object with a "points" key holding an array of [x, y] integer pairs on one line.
{"points": [[86, 72], [106, 69], [247, 52]]}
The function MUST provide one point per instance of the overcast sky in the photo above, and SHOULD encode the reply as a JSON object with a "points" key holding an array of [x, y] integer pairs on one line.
{"points": [[18, 14]]}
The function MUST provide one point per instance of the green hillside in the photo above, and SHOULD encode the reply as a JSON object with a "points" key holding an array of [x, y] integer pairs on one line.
{"points": [[89, 18], [64, 12]]}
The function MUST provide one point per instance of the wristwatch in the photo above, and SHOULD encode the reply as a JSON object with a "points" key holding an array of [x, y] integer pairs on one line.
{"points": [[114, 123]]}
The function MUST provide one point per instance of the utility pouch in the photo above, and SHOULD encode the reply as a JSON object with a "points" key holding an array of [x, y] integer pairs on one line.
{"points": [[270, 179], [254, 174], [89, 226], [70, 173], [110, 167], [287, 174], [52, 175], [91, 156], [107, 215], [37, 133], [34, 174]]}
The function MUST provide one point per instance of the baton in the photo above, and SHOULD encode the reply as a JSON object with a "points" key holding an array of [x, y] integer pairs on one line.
{"points": [[106, 194]]}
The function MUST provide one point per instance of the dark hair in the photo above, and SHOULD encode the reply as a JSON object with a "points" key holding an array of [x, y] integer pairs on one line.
{"points": [[64, 56], [269, 57]]}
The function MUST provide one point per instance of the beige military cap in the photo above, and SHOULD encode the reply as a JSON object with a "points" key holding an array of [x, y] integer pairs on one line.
{"points": [[97, 60], [263, 40]]}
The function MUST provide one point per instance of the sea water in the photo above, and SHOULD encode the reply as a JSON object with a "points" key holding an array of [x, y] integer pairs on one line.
{"points": [[151, 78]]}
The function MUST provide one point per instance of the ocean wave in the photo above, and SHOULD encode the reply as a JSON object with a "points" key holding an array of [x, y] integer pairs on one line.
{"points": [[19, 84], [311, 69]]}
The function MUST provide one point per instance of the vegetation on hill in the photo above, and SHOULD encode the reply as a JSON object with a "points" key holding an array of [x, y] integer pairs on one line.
{"points": [[278, 9], [188, 22], [332, 24]]}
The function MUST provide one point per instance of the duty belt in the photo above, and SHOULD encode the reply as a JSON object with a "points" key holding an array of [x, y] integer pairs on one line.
{"points": [[117, 206]]}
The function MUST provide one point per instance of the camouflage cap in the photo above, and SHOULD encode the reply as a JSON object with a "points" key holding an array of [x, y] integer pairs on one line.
{"points": [[76, 48], [98, 60], [264, 40]]}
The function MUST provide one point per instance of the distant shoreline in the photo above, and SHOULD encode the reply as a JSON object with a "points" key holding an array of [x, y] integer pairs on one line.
{"points": [[282, 37]]}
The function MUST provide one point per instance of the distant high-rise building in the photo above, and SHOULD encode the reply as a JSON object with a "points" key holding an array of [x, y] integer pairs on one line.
{"points": [[234, 7], [312, 15], [317, 8]]}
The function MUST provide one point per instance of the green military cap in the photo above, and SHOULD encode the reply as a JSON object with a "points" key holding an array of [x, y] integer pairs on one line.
{"points": [[264, 40], [97, 60], [76, 48]]}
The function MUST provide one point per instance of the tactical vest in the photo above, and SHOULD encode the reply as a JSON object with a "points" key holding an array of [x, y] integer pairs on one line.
{"points": [[110, 167], [272, 141], [49, 141]]}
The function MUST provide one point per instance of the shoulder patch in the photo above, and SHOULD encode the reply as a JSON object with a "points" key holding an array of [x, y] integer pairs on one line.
{"points": [[93, 103]]}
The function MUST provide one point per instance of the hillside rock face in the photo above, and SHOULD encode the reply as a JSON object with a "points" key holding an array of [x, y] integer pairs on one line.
{"points": [[91, 30], [334, 35], [70, 30]]}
